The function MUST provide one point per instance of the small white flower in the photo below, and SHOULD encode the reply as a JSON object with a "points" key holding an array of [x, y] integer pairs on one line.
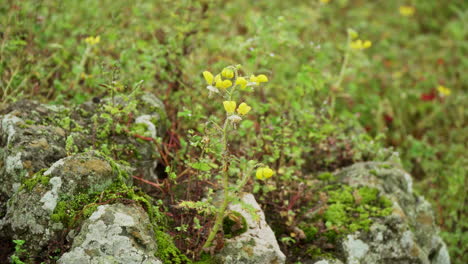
{"points": [[212, 90], [234, 118]]}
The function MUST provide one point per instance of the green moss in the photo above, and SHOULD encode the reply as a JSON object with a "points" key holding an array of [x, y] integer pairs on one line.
{"points": [[38, 177], [326, 176], [367, 194], [336, 214], [234, 224], [349, 209], [167, 252], [343, 195]]}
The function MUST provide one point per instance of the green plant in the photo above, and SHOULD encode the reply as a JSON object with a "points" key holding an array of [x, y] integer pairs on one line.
{"points": [[228, 84], [20, 253]]}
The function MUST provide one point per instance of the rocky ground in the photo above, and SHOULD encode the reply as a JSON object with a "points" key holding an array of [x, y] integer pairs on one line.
{"points": [[67, 191]]}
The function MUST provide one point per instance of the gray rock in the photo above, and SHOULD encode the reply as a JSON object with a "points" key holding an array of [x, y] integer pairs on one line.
{"points": [[114, 234], [25, 145], [408, 235], [28, 214], [257, 245]]}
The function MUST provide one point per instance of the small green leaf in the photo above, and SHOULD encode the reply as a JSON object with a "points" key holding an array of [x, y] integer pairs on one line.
{"points": [[201, 166]]}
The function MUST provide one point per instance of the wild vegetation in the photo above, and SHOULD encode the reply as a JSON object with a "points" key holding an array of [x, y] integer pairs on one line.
{"points": [[335, 82]]}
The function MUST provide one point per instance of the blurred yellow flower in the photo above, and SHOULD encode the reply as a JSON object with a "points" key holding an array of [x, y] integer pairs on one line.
{"points": [[264, 173], [360, 45], [93, 40], [324, 1], [242, 82], [226, 84], [229, 106], [444, 91], [262, 78], [227, 73], [208, 77], [258, 79], [407, 10], [218, 81], [243, 109]]}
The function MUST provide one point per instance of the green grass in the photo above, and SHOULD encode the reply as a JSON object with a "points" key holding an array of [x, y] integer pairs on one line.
{"points": [[300, 45]]}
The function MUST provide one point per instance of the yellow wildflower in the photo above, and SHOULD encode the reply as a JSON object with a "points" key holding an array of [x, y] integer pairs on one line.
{"points": [[227, 73], [367, 44], [242, 82], [253, 78], [360, 45], [229, 106], [264, 173], [226, 84], [258, 79], [444, 91], [262, 78], [93, 40], [324, 1], [208, 77], [243, 109], [407, 11], [218, 81]]}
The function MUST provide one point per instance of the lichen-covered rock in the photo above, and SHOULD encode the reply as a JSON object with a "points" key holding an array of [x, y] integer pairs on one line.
{"points": [[257, 245], [26, 145], [114, 234], [408, 235], [29, 212]]}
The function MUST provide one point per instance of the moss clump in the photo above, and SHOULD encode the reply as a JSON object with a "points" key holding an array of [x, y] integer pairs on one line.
{"points": [[343, 195], [38, 177], [367, 194], [351, 209], [348, 209], [71, 210], [167, 252], [234, 224], [336, 215], [326, 176]]}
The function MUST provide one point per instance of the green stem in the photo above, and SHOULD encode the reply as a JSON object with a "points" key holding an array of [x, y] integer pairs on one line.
{"points": [[82, 64], [337, 84], [225, 202]]}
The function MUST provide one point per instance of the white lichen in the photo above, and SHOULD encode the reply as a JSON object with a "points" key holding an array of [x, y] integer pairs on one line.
{"points": [[146, 119], [50, 198], [54, 166], [13, 163], [8, 126], [356, 249]]}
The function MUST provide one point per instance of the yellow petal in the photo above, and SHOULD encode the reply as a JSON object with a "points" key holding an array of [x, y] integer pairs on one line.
{"points": [[229, 106], [367, 44], [227, 73], [444, 90], [208, 77], [218, 81], [253, 78], [264, 173], [242, 82], [243, 109], [262, 78], [226, 84], [357, 44], [407, 10]]}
